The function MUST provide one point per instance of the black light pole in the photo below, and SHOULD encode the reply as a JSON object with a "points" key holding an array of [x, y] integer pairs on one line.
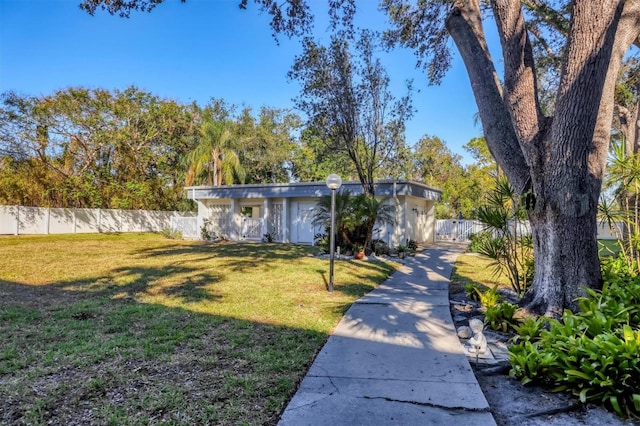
{"points": [[333, 183]]}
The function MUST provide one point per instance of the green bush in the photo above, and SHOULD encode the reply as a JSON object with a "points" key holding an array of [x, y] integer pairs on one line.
{"points": [[172, 234], [380, 247], [500, 317], [594, 353], [322, 242], [491, 297], [477, 241], [472, 291], [269, 237], [529, 330]]}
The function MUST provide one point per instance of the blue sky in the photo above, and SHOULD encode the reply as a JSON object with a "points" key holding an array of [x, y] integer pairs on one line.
{"points": [[196, 51]]}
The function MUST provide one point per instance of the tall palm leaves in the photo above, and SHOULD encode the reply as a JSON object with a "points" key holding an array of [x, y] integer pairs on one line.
{"points": [[214, 160], [504, 241], [356, 217], [370, 210], [623, 176]]}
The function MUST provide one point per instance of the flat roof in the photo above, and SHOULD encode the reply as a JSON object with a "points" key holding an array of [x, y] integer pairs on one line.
{"points": [[310, 190]]}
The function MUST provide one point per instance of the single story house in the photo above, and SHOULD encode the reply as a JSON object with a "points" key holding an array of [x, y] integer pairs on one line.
{"points": [[286, 210]]}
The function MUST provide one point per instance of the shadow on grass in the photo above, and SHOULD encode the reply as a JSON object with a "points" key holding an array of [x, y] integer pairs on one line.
{"points": [[186, 284], [232, 250], [131, 363]]}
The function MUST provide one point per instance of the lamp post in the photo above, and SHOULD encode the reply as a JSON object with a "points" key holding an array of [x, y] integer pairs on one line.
{"points": [[333, 182]]}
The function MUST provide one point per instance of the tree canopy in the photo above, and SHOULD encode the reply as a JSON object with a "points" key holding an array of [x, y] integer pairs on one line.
{"points": [[346, 95]]}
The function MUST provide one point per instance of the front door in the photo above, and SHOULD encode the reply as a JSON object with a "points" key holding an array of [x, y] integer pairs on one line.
{"points": [[305, 227]]}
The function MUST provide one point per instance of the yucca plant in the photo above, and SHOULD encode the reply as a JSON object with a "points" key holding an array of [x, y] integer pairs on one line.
{"points": [[509, 247], [622, 214]]}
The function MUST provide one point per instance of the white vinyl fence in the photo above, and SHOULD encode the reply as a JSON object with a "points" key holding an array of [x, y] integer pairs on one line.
{"points": [[461, 230], [187, 225], [19, 220], [457, 230]]}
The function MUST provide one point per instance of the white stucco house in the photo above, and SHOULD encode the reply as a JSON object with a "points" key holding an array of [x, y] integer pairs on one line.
{"points": [[286, 210]]}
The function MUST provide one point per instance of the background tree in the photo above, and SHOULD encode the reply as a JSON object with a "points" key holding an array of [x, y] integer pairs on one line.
{"points": [[346, 96], [214, 158], [314, 159], [93, 148], [266, 144], [463, 187]]}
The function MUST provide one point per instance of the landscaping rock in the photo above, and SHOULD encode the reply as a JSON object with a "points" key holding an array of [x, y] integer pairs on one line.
{"points": [[465, 332]]}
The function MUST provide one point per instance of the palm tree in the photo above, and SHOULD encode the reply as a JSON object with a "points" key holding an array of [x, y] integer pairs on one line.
{"points": [[356, 217], [344, 216], [370, 211], [214, 161]]}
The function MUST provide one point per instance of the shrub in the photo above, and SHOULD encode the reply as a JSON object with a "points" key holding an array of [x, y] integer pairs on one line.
{"points": [[500, 317], [529, 330], [491, 297], [594, 353], [322, 242], [205, 234], [269, 237], [412, 245], [172, 234], [476, 241], [380, 247], [506, 241], [472, 291]]}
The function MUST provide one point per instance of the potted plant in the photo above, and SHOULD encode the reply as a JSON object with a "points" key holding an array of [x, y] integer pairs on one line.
{"points": [[359, 252], [402, 251]]}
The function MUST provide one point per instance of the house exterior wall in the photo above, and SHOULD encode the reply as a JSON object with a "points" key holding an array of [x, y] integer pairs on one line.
{"points": [[286, 210]]}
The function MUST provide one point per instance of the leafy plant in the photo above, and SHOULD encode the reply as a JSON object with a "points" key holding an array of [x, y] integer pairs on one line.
{"points": [[472, 291], [172, 234], [205, 233], [269, 237], [529, 330], [491, 297], [412, 245], [500, 317], [506, 240], [622, 215], [321, 241], [593, 354], [380, 247], [476, 241]]}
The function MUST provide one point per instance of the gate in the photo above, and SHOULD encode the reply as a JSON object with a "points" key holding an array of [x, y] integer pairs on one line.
{"points": [[457, 230]]}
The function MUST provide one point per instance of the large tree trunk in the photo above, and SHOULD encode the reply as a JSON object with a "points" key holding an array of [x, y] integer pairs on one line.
{"points": [[566, 255], [560, 160]]}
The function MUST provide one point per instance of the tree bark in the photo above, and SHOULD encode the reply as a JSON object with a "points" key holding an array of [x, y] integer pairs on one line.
{"points": [[561, 159]]}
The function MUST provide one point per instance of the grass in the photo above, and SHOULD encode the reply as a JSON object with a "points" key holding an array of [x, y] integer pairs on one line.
{"points": [[472, 268], [138, 329]]}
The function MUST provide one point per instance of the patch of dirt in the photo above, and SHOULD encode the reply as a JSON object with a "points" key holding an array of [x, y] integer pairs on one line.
{"points": [[513, 404]]}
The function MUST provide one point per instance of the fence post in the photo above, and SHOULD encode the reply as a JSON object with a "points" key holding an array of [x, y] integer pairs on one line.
{"points": [[17, 220], [47, 220]]}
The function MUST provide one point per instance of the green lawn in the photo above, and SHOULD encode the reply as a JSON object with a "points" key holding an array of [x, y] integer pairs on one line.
{"points": [[138, 329], [472, 268]]}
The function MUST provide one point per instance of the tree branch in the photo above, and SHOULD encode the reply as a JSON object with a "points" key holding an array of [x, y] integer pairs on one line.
{"points": [[519, 70], [465, 27]]}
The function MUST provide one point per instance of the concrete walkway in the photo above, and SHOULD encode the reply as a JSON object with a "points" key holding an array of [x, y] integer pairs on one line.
{"points": [[395, 358]]}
